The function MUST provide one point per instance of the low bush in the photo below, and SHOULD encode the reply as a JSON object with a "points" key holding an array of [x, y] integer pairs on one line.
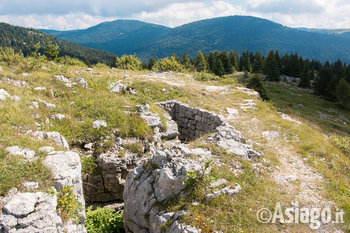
{"points": [[257, 84], [203, 76], [128, 62], [104, 220], [169, 64]]}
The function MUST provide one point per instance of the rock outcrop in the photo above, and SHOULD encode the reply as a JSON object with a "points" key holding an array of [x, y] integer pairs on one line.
{"points": [[109, 185], [55, 136], [66, 169], [233, 142], [31, 212], [157, 179]]}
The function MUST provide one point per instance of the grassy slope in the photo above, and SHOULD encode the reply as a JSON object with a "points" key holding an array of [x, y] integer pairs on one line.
{"points": [[227, 214]]}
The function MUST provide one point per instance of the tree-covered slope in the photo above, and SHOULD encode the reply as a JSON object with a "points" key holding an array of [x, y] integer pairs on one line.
{"points": [[242, 33], [23, 39], [119, 37], [225, 33]]}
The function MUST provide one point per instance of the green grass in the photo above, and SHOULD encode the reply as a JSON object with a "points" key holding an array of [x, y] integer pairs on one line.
{"points": [[285, 99], [328, 155]]}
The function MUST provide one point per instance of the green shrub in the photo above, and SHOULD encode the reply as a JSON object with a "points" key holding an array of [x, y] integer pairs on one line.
{"points": [[135, 148], [67, 204], [51, 51], [257, 84], [342, 143], [128, 62], [203, 76], [103, 220], [169, 64], [66, 60], [135, 126], [89, 165], [100, 83], [10, 57]]}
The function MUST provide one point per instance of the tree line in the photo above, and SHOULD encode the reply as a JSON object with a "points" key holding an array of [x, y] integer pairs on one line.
{"points": [[330, 80]]}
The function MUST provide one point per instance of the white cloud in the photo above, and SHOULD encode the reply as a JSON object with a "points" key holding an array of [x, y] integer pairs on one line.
{"points": [[287, 6], [302, 13], [181, 13], [68, 14], [58, 22]]}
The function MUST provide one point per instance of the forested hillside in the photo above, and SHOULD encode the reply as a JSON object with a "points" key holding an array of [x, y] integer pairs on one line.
{"points": [[119, 37], [23, 39], [226, 33]]}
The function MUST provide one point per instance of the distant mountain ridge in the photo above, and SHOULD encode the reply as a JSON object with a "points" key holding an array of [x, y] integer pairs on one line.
{"points": [[224, 33], [119, 37], [24, 39]]}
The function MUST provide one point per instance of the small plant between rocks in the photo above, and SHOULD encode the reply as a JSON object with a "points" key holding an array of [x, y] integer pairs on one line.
{"points": [[103, 220], [67, 204]]}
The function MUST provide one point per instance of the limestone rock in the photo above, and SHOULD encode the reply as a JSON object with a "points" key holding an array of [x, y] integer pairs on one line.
{"points": [[172, 130], [31, 212], [17, 83], [4, 95], [62, 78], [117, 87], [40, 89], [109, 185], [66, 169], [81, 82], [31, 185], [59, 117], [233, 141], [156, 179], [99, 124], [16, 98], [55, 136], [46, 149], [48, 105], [26, 153]]}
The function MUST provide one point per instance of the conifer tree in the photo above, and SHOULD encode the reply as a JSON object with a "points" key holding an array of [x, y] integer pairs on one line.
{"points": [[51, 51], [258, 63], [234, 60], [271, 68], [200, 62], [343, 93], [186, 60], [219, 68]]}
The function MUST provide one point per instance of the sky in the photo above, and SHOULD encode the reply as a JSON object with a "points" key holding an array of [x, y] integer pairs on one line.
{"points": [[79, 14]]}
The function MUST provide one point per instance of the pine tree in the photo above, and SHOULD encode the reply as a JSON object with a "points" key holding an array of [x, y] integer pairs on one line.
{"points": [[151, 63], [51, 51], [257, 84], [322, 80], [271, 68], [211, 62], [258, 63], [226, 62], [186, 60], [343, 93], [219, 68], [200, 62], [234, 60], [244, 62]]}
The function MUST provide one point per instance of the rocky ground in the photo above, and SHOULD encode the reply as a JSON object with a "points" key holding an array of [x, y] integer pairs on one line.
{"points": [[181, 155]]}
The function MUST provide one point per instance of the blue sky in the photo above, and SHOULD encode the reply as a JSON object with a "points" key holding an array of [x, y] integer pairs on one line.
{"points": [[76, 14]]}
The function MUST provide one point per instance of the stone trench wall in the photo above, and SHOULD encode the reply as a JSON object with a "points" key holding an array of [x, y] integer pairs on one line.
{"points": [[192, 122]]}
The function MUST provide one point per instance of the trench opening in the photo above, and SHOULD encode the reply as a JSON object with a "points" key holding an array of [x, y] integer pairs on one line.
{"points": [[192, 122]]}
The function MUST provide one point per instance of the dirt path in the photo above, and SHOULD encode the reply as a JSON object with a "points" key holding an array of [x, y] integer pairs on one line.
{"points": [[303, 184]]}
